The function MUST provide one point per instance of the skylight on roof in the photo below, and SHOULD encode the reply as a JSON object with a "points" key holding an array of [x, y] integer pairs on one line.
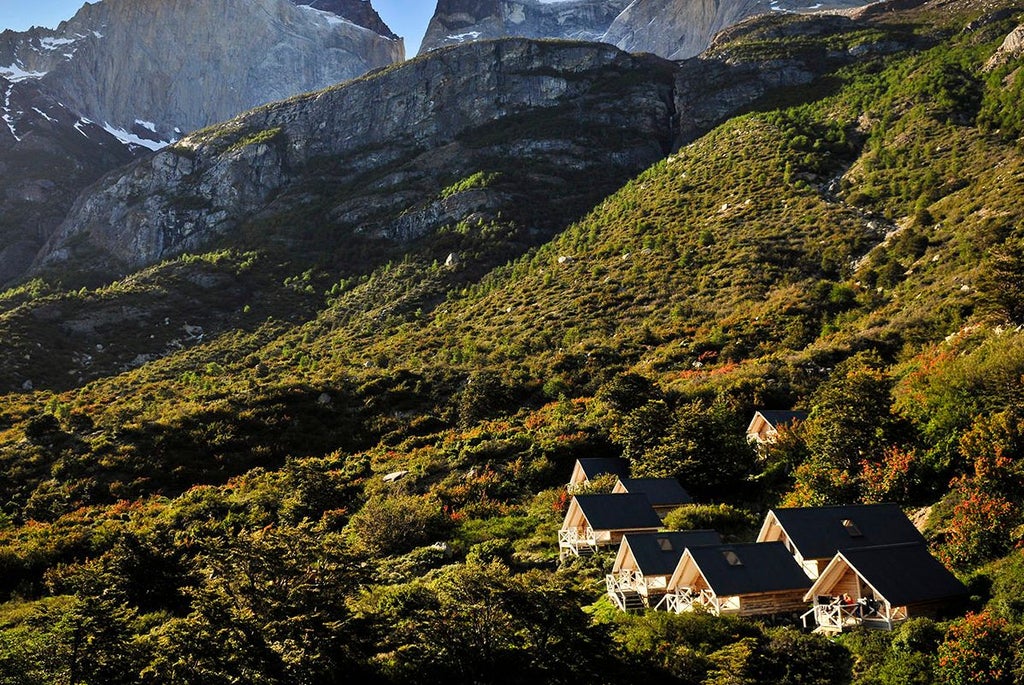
{"points": [[852, 528], [665, 544], [732, 558]]}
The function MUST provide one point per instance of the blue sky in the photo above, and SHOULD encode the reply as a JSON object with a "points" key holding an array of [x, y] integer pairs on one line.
{"points": [[407, 18]]}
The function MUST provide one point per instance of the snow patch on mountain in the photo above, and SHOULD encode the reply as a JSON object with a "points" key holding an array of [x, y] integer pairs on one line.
{"points": [[130, 139], [8, 119], [17, 73]]}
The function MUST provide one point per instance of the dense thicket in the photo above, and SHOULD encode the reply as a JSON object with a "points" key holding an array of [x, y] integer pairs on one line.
{"points": [[220, 514]]}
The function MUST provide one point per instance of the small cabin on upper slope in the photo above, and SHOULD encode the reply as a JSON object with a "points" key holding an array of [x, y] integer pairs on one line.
{"points": [[764, 427], [880, 587], [645, 562], [588, 468], [594, 521], [664, 494], [749, 579], [814, 534]]}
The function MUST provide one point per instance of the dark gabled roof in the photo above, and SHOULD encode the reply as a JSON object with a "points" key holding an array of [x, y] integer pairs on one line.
{"points": [[763, 567], [780, 417], [651, 555], [820, 532], [598, 466], [905, 574], [618, 512], [660, 491]]}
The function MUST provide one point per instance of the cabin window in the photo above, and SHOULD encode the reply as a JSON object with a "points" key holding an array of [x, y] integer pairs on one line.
{"points": [[665, 544], [852, 528], [732, 558]]}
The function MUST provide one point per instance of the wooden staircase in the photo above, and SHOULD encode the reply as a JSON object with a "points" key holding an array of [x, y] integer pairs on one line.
{"points": [[627, 600]]}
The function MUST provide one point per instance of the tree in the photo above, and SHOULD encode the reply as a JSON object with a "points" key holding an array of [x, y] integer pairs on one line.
{"points": [[705, 448], [478, 623], [397, 523], [629, 391], [850, 423], [1002, 281], [271, 609]]}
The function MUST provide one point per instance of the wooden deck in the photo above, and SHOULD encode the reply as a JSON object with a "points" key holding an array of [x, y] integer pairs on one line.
{"points": [[834, 617]]}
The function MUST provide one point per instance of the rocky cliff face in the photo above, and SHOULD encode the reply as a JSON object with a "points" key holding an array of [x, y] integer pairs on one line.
{"points": [[674, 29], [171, 66], [359, 12], [142, 72], [388, 144], [1011, 48], [677, 29], [459, 21]]}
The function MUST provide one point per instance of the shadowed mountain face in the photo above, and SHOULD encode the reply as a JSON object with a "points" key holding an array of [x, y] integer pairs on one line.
{"points": [[48, 153]]}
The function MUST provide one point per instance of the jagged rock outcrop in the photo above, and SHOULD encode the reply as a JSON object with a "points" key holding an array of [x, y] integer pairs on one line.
{"points": [[557, 109], [360, 12], [459, 21], [677, 29], [1012, 48], [172, 66]]}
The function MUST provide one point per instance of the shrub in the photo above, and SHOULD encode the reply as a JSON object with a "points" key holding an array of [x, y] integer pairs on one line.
{"points": [[730, 522], [980, 650]]}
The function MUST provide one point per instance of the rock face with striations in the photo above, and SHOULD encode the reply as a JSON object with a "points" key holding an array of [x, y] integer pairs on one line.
{"points": [[558, 121], [588, 112], [677, 29], [459, 21], [126, 75], [171, 66], [674, 29]]}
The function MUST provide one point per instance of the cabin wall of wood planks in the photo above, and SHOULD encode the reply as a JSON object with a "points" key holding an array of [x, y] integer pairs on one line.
{"points": [[849, 584], [767, 603]]}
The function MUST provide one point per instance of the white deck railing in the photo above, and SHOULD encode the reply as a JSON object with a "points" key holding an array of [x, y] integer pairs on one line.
{"points": [[572, 540], [837, 616]]}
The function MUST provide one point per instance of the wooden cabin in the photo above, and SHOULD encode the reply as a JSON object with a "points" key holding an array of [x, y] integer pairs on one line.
{"points": [[814, 534], [664, 494], [595, 521], [765, 425], [880, 587], [589, 468], [749, 579], [645, 562]]}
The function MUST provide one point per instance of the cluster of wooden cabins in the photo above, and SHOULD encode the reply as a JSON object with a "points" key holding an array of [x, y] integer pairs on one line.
{"points": [[834, 566]]}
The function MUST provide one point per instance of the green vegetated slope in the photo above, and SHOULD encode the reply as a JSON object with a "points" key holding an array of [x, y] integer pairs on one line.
{"points": [[855, 249]]}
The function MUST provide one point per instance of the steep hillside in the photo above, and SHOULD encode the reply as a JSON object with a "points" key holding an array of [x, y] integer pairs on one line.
{"points": [[849, 243], [511, 171]]}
